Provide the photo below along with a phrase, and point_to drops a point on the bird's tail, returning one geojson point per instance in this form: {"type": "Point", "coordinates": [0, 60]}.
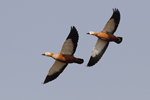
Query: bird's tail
{"type": "Point", "coordinates": [119, 40]}
{"type": "Point", "coordinates": [79, 60]}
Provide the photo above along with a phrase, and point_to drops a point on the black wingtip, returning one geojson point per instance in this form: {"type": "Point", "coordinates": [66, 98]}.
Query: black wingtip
{"type": "Point", "coordinates": [50, 78]}
{"type": "Point", "coordinates": [73, 27]}
{"type": "Point", "coordinates": [115, 9]}
{"type": "Point", "coordinates": [91, 62]}
{"type": "Point", "coordinates": [116, 15]}
{"type": "Point", "coordinates": [89, 65]}
{"type": "Point", "coordinates": [43, 54]}
{"type": "Point", "coordinates": [46, 81]}
{"type": "Point", "coordinates": [43, 83]}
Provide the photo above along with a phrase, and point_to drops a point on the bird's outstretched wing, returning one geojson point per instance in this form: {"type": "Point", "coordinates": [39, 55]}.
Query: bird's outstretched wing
{"type": "Point", "coordinates": [56, 69]}
{"type": "Point", "coordinates": [98, 52]}
{"type": "Point", "coordinates": [69, 46]}
{"type": "Point", "coordinates": [113, 22]}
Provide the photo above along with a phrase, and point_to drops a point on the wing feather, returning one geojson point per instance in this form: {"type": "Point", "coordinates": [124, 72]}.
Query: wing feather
{"type": "Point", "coordinates": [69, 46]}
{"type": "Point", "coordinates": [113, 22]}
{"type": "Point", "coordinates": [98, 51]}
{"type": "Point", "coordinates": [56, 69]}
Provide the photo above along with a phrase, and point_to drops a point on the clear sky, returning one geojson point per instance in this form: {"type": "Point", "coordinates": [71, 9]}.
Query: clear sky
{"type": "Point", "coordinates": [28, 28]}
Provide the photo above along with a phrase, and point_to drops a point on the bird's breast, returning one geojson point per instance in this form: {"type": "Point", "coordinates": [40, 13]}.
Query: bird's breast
{"type": "Point", "coordinates": [106, 36]}
{"type": "Point", "coordinates": [64, 58]}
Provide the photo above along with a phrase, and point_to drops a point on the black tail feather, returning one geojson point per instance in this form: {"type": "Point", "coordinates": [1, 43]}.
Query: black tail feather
{"type": "Point", "coordinates": [119, 40]}
{"type": "Point", "coordinates": [79, 60]}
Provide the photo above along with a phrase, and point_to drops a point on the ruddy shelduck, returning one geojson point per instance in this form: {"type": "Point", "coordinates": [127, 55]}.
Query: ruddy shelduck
{"type": "Point", "coordinates": [104, 37]}
{"type": "Point", "coordinates": [65, 56]}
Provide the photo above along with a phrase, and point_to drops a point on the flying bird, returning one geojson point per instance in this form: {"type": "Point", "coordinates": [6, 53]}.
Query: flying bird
{"type": "Point", "coordinates": [65, 56]}
{"type": "Point", "coordinates": [104, 37]}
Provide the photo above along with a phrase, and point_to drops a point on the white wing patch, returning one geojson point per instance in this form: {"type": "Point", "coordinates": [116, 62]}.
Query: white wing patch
{"type": "Point", "coordinates": [99, 47]}
{"type": "Point", "coordinates": [56, 67]}
{"type": "Point", "coordinates": [109, 27]}
{"type": "Point", "coordinates": [67, 47]}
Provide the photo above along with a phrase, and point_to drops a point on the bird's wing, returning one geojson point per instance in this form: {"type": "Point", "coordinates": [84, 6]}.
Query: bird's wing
{"type": "Point", "coordinates": [69, 46]}
{"type": "Point", "coordinates": [98, 51]}
{"type": "Point", "coordinates": [113, 22]}
{"type": "Point", "coordinates": [55, 70]}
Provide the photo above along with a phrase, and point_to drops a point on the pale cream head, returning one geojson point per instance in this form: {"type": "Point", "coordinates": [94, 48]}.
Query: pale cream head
{"type": "Point", "coordinates": [48, 54]}
{"type": "Point", "coordinates": [92, 33]}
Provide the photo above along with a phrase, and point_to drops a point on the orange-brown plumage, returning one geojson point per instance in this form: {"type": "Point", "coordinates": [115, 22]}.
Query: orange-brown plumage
{"type": "Point", "coordinates": [64, 57]}
{"type": "Point", "coordinates": [104, 37]}
{"type": "Point", "coordinates": [107, 36]}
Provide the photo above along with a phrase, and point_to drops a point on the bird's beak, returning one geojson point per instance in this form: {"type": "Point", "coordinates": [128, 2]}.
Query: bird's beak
{"type": "Point", "coordinates": [43, 54]}
{"type": "Point", "coordinates": [87, 33]}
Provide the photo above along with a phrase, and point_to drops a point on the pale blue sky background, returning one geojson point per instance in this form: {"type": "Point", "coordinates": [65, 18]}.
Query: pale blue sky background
{"type": "Point", "coordinates": [29, 28]}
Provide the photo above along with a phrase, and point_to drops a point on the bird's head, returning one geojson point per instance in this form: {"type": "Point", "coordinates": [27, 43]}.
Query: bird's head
{"type": "Point", "coordinates": [49, 54]}
{"type": "Point", "coordinates": [91, 33]}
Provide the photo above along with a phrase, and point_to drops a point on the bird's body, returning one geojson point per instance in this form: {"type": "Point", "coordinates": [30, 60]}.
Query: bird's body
{"type": "Point", "coordinates": [104, 37]}
{"type": "Point", "coordinates": [64, 57]}
{"type": "Point", "coordinates": [107, 37]}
